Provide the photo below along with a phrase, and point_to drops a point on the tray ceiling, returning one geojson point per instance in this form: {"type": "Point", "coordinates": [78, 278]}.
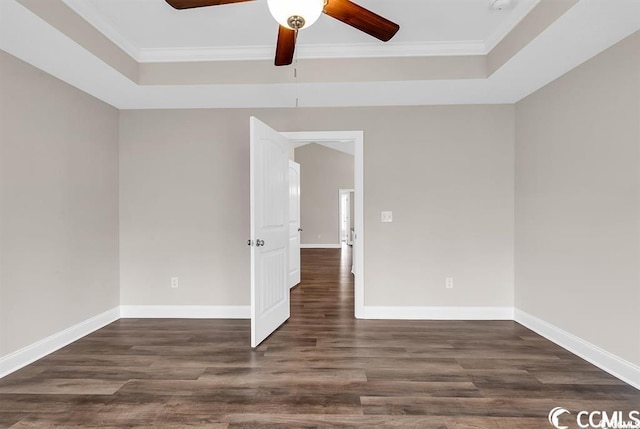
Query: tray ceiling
{"type": "Point", "coordinates": [137, 54]}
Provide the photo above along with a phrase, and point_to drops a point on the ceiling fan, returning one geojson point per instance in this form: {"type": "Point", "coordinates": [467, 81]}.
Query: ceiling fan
{"type": "Point", "coordinates": [294, 15]}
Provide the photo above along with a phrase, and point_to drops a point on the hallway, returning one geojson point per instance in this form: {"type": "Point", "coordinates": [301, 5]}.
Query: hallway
{"type": "Point", "coordinates": [323, 368]}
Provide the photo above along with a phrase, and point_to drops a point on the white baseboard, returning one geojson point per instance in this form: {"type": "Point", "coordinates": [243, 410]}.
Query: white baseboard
{"type": "Point", "coordinates": [40, 349]}
{"type": "Point", "coordinates": [185, 311]}
{"type": "Point", "coordinates": [321, 246]}
{"type": "Point", "coordinates": [614, 365]}
{"type": "Point", "coordinates": [438, 313]}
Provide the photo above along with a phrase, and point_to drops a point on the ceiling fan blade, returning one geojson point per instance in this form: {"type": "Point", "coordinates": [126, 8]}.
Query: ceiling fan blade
{"type": "Point", "coordinates": [362, 19]}
{"type": "Point", "coordinates": [188, 4]}
{"type": "Point", "coordinates": [286, 46]}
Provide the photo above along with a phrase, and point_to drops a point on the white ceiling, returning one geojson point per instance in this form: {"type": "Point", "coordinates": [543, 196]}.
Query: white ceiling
{"type": "Point", "coordinates": [151, 30]}
{"type": "Point", "coordinates": [584, 31]}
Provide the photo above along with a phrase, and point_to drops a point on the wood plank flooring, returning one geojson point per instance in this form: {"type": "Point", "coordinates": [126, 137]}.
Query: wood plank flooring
{"type": "Point", "coordinates": [323, 368]}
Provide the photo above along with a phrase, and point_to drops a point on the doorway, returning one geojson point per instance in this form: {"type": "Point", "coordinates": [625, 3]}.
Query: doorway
{"type": "Point", "coordinates": [357, 139]}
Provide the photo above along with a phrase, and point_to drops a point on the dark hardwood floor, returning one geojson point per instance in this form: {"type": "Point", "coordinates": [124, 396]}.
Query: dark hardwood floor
{"type": "Point", "coordinates": [323, 368]}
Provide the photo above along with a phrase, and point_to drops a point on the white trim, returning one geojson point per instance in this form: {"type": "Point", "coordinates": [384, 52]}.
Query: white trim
{"type": "Point", "coordinates": [358, 240]}
{"type": "Point", "coordinates": [614, 365]}
{"type": "Point", "coordinates": [357, 137]}
{"type": "Point", "coordinates": [354, 50]}
{"type": "Point", "coordinates": [438, 313]}
{"type": "Point", "coordinates": [31, 353]}
{"type": "Point", "coordinates": [320, 246]}
{"type": "Point", "coordinates": [185, 311]}
{"type": "Point", "coordinates": [265, 52]}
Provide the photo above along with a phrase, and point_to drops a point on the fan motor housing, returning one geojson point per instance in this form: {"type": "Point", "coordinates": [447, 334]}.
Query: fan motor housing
{"type": "Point", "coordinates": [296, 22]}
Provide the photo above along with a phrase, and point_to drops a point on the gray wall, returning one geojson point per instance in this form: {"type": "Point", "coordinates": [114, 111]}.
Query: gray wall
{"type": "Point", "coordinates": [58, 205]}
{"type": "Point", "coordinates": [184, 207]}
{"type": "Point", "coordinates": [323, 172]}
{"type": "Point", "coordinates": [446, 172]}
{"type": "Point", "coordinates": [578, 201]}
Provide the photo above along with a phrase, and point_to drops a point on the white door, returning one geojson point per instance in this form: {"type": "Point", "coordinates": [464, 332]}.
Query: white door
{"type": "Point", "coordinates": [294, 223]}
{"type": "Point", "coordinates": [269, 230]}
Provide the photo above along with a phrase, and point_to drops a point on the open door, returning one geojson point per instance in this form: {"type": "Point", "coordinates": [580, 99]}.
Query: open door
{"type": "Point", "coordinates": [269, 241]}
{"type": "Point", "coordinates": [294, 224]}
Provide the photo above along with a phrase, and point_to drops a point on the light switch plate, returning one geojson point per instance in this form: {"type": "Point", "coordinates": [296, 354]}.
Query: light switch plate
{"type": "Point", "coordinates": [386, 217]}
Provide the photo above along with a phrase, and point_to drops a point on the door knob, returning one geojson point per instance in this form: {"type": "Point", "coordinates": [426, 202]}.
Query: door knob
{"type": "Point", "coordinates": [299, 229]}
{"type": "Point", "coordinates": [259, 243]}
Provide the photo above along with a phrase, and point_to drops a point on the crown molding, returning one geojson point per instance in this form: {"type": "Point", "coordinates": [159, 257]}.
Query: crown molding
{"type": "Point", "coordinates": [265, 52]}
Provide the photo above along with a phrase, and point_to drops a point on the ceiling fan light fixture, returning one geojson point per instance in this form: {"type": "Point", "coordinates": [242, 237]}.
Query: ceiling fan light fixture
{"type": "Point", "coordinates": [296, 14]}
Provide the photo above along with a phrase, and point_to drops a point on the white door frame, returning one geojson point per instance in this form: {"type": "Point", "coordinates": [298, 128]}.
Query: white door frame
{"type": "Point", "coordinates": [341, 192]}
{"type": "Point", "coordinates": [357, 137]}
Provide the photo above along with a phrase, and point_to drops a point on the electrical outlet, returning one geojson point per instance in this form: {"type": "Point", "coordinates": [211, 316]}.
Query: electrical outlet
{"type": "Point", "coordinates": [174, 282]}
{"type": "Point", "coordinates": [386, 217]}
{"type": "Point", "coordinates": [449, 283]}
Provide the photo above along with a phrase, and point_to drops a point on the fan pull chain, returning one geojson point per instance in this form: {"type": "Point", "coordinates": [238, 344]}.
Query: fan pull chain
{"type": "Point", "coordinates": [295, 76]}
{"type": "Point", "coordinates": [295, 73]}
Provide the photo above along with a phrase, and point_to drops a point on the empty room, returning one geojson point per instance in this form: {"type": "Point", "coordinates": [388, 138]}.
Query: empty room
{"type": "Point", "coordinates": [320, 213]}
